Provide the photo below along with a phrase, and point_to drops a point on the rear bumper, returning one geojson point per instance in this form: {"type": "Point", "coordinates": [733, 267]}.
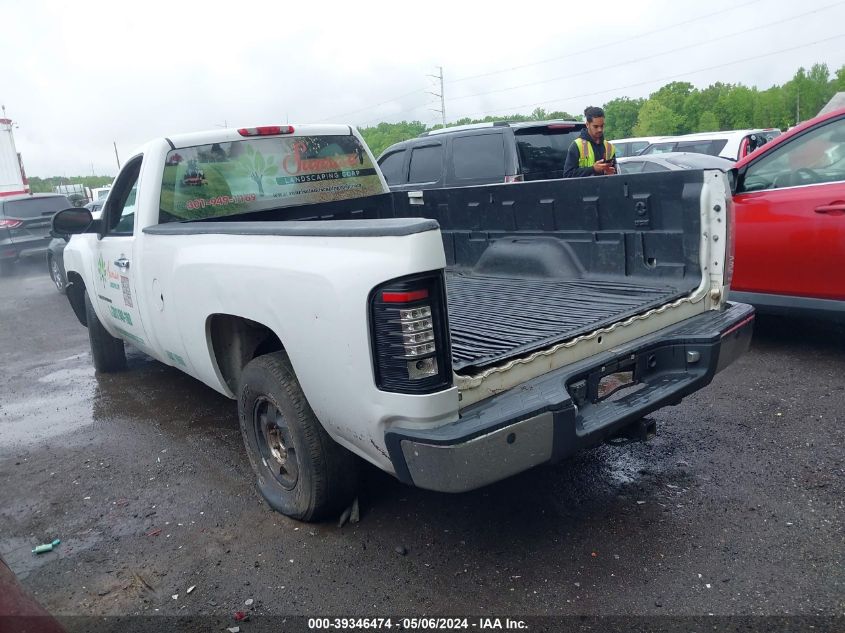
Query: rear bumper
{"type": "Point", "coordinates": [560, 413]}
{"type": "Point", "coordinates": [23, 248]}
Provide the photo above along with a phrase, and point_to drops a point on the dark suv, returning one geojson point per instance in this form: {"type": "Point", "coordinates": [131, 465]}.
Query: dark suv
{"type": "Point", "coordinates": [25, 225]}
{"type": "Point", "coordinates": [480, 154]}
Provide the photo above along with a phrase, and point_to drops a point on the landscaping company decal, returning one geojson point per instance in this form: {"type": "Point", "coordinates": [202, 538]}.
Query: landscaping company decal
{"type": "Point", "coordinates": [131, 337]}
{"type": "Point", "coordinates": [119, 315]}
{"type": "Point", "coordinates": [127, 291]}
{"type": "Point", "coordinates": [255, 174]}
{"type": "Point", "coordinates": [301, 169]}
{"type": "Point", "coordinates": [101, 269]}
{"type": "Point", "coordinates": [176, 358]}
{"type": "Point", "coordinates": [114, 278]}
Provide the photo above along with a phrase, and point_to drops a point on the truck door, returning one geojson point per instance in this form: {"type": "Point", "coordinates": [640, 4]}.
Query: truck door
{"type": "Point", "coordinates": [114, 276]}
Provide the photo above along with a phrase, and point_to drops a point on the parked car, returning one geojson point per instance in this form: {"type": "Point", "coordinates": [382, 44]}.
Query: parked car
{"type": "Point", "coordinates": [480, 154]}
{"type": "Point", "coordinates": [25, 225]}
{"type": "Point", "coordinates": [733, 145]}
{"type": "Point", "coordinates": [56, 248]}
{"type": "Point", "coordinates": [790, 222]}
{"type": "Point", "coordinates": [671, 161]}
{"type": "Point", "coordinates": [633, 146]}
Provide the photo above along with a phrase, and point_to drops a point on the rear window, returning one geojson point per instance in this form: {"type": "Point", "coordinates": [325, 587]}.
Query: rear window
{"type": "Point", "coordinates": [659, 148]}
{"type": "Point", "coordinates": [544, 149]}
{"type": "Point", "coordinates": [480, 156]}
{"type": "Point", "coordinates": [391, 167]}
{"type": "Point", "coordinates": [35, 207]}
{"type": "Point", "coordinates": [703, 147]}
{"type": "Point", "coordinates": [264, 173]}
{"type": "Point", "coordinates": [426, 164]}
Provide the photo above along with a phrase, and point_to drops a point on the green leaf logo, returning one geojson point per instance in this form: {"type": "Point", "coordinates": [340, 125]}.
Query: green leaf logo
{"type": "Point", "coordinates": [101, 269]}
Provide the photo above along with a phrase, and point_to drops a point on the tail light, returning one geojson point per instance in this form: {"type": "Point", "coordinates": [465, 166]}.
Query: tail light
{"type": "Point", "coordinates": [410, 335]}
{"type": "Point", "coordinates": [517, 178]}
{"type": "Point", "coordinates": [266, 130]}
{"type": "Point", "coordinates": [10, 224]}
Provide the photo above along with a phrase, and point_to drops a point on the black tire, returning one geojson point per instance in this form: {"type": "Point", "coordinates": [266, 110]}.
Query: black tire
{"type": "Point", "coordinates": [56, 274]}
{"type": "Point", "coordinates": [6, 267]}
{"type": "Point", "coordinates": [107, 351]}
{"type": "Point", "coordinates": [301, 471]}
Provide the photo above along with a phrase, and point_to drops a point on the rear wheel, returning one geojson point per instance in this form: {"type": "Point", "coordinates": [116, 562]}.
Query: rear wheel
{"type": "Point", "coordinates": [107, 351]}
{"type": "Point", "coordinates": [301, 471]}
{"type": "Point", "coordinates": [6, 267]}
{"type": "Point", "coordinates": [56, 274]}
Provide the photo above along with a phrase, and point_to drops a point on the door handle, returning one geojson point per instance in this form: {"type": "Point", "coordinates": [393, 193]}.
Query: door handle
{"type": "Point", "coordinates": [122, 263]}
{"type": "Point", "coordinates": [834, 208]}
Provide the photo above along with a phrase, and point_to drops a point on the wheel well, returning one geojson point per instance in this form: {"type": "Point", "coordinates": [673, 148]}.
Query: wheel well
{"type": "Point", "coordinates": [235, 341]}
{"type": "Point", "coordinates": [76, 295]}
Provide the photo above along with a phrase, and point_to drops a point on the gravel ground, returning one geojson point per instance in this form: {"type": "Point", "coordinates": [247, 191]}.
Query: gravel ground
{"type": "Point", "coordinates": [735, 508]}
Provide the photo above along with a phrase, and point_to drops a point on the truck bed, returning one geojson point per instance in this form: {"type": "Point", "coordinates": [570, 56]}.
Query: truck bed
{"type": "Point", "coordinates": [492, 318]}
{"type": "Point", "coordinates": [534, 264]}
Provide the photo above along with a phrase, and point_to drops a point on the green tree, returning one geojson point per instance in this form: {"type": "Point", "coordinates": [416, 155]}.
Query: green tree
{"type": "Point", "coordinates": [708, 122]}
{"type": "Point", "coordinates": [656, 119]}
{"type": "Point", "coordinates": [839, 80]}
{"type": "Point", "coordinates": [621, 117]}
{"type": "Point", "coordinates": [673, 96]}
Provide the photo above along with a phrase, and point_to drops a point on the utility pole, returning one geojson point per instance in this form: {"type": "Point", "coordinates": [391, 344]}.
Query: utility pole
{"type": "Point", "coordinates": [117, 158]}
{"type": "Point", "coordinates": [441, 94]}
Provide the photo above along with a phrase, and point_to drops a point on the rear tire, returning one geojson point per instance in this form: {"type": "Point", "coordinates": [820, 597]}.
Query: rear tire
{"type": "Point", "coordinates": [302, 472]}
{"type": "Point", "coordinates": [107, 351]}
{"type": "Point", "coordinates": [6, 267]}
{"type": "Point", "coordinates": [56, 274]}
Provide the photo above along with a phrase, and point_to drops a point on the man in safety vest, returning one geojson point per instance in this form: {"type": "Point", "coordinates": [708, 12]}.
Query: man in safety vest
{"type": "Point", "coordinates": [590, 154]}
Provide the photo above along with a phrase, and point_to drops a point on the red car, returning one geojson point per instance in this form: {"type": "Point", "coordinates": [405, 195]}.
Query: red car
{"type": "Point", "coordinates": [789, 210]}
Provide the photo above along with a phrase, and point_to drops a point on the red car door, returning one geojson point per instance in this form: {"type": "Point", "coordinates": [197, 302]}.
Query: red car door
{"type": "Point", "coordinates": [790, 216]}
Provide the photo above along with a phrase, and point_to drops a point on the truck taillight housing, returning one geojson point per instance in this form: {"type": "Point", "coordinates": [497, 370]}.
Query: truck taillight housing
{"type": "Point", "coordinates": [410, 335]}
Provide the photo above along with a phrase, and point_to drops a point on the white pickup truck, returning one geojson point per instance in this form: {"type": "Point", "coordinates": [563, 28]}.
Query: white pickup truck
{"type": "Point", "coordinates": [451, 337]}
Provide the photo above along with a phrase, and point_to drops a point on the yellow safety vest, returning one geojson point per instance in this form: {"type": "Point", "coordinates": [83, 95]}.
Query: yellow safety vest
{"type": "Point", "coordinates": [586, 156]}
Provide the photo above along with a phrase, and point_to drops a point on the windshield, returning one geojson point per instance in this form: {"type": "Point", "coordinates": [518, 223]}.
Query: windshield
{"type": "Point", "coordinates": [264, 173]}
{"type": "Point", "coordinates": [817, 156]}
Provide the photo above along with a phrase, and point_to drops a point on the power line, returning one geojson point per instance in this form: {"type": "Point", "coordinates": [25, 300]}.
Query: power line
{"type": "Point", "coordinates": [651, 81]}
{"type": "Point", "coordinates": [544, 61]}
{"type": "Point", "coordinates": [391, 100]}
{"type": "Point", "coordinates": [647, 57]}
{"type": "Point", "coordinates": [604, 46]}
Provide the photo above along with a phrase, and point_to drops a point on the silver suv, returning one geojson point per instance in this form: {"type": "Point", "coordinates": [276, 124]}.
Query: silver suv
{"type": "Point", "coordinates": [25, 225]}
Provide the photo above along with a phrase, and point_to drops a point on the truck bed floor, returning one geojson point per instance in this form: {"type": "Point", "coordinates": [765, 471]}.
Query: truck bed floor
{"type": "Point", "coordinates": [493, 318]}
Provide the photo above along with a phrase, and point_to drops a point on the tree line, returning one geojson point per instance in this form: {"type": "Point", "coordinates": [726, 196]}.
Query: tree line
{"type": "Point", "coordinates": [676, 108]}
{"type": "Point", "coordinates": [48, 185]}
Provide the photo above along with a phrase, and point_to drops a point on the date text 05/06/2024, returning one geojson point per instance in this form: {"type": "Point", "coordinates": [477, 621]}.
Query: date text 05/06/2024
{"type": "Point", "coordinates": [416, 624]}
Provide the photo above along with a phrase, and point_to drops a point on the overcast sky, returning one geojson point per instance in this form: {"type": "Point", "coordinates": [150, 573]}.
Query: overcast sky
{"type": "Point", "coordinates": [78, 76]}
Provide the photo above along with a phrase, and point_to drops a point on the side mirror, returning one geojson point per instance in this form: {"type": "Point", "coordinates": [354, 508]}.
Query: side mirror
{"type": "Point", "coordinates": [72, 222]}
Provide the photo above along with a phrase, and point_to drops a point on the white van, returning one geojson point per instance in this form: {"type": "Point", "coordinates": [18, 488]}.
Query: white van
{"type": "Point", "coordinates": [732, 144]}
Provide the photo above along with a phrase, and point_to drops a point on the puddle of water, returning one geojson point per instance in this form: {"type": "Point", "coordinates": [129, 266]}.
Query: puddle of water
{"type": "Point", "coordinates": [57, 403]}
{"type": "Point", "coordinates": [17, 552]}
